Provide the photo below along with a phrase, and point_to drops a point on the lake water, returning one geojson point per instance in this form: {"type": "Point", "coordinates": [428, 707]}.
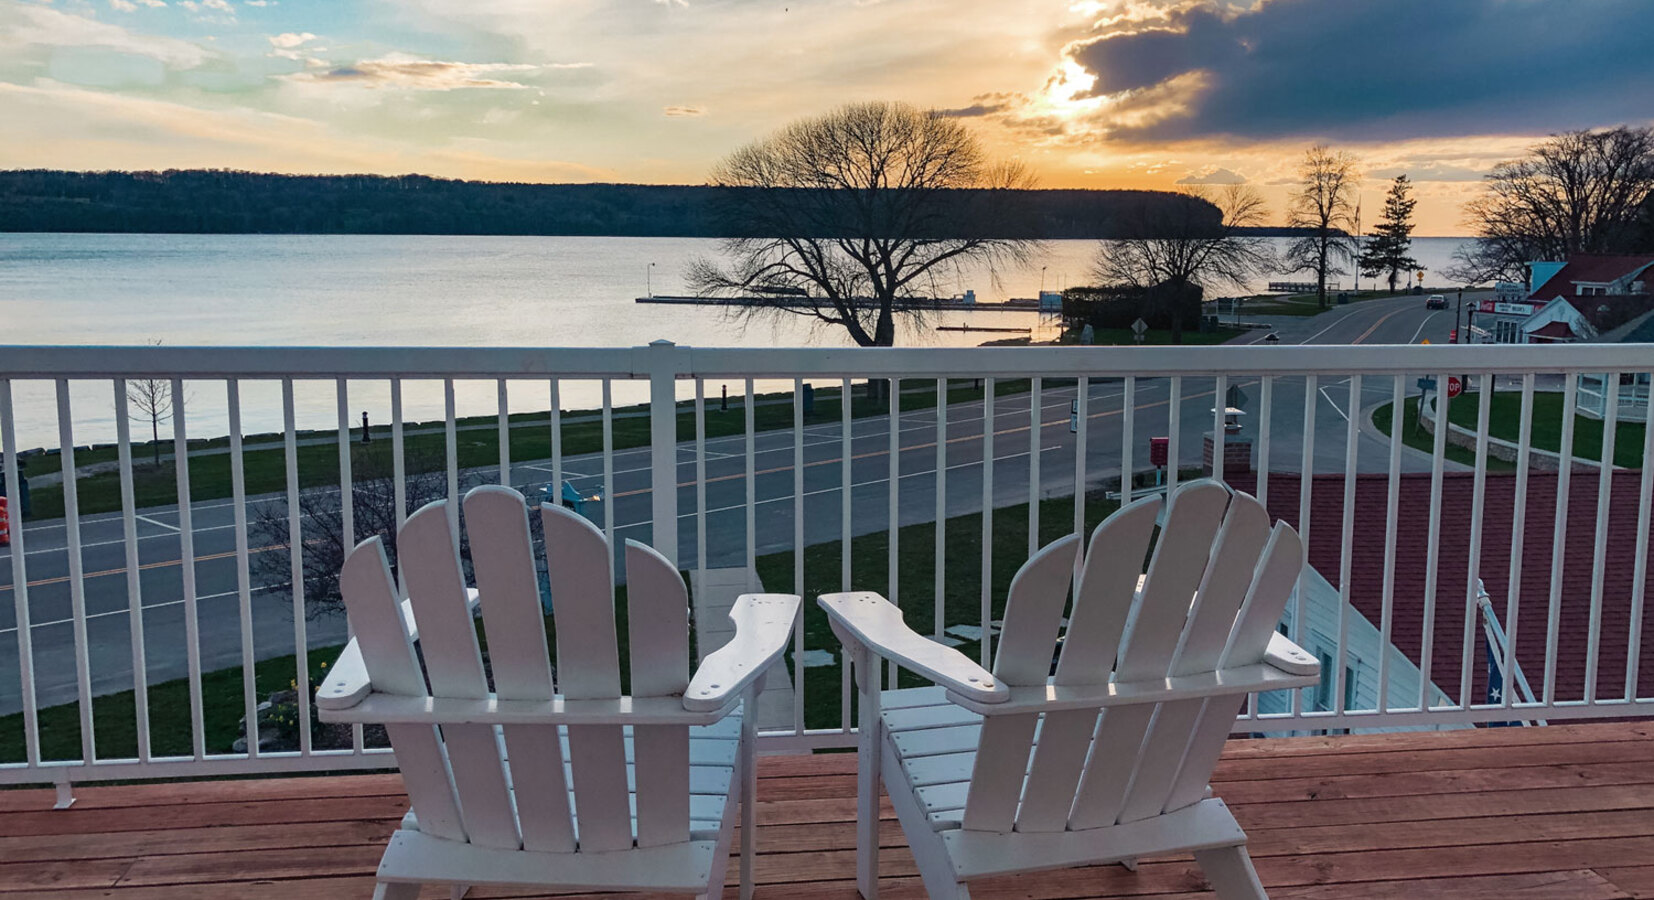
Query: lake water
{"type": "Point", "coordinates": [373, 290]}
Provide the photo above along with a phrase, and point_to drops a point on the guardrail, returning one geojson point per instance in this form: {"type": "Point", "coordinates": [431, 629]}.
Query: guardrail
{"type": "Point", "coordinates": [800, 494]}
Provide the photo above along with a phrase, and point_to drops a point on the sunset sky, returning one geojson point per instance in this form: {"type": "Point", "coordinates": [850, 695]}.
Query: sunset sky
{"type": "Point", "coordinates": [1138, 93]}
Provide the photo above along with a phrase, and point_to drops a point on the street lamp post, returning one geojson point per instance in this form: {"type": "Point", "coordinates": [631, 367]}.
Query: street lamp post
{"type": "Point", "coordinates": [1042, 279]}
{"type": "Point", "coordinates": [1458, 310]}
{"type": "Point", "coordinates": [649, 278]}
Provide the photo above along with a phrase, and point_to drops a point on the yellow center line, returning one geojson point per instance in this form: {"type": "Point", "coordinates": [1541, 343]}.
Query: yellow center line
{"type": "Point", "coordinates": [154, 565]}
{"type": "Point", "coordinates": [1385, 318]}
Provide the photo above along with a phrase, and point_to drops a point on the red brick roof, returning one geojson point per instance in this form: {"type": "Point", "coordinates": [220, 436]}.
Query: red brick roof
{"type": "Point", "coordinates": [1407, 610]}
{"type": "Point", "coordinates": [1587, 267]}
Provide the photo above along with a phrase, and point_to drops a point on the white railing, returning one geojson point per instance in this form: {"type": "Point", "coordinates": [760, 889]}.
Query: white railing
{"type": "Point", "coordinates": [130, 593]}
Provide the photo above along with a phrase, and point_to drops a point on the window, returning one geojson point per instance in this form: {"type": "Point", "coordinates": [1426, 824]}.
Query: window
{"type": "Point", "coordinates": [1324, 690]}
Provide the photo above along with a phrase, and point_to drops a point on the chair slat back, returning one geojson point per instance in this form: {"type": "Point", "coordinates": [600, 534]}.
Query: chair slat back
{"type": "Point", "coordinates": [1217, 583]}
{"type": "Point", "coordinates": [1277, 574]}
{"type": "Point", "coordinates": [510, 786]}
{"type": "Point", "coordinates": [1161, 611]}
{"type": "Point", "coordinates": [1033, 616]}
{"type": "Point", "coordinates": [376, 617]}
{"type": "Point", "coordinates": [1108, 583]}
{"type": "Point", "coordinates": [447, 637]}
{"type": "Point", "coordinates": [502, 558]}
{"type": "Point", "coordinates": [1227, 579]}
{"type": "Point", "coordinates": [657, 624]}
{"type": "Point", "coordinates": [588, 664]}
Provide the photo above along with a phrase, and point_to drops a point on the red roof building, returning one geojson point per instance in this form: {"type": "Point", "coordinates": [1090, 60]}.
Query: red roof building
{"type": "Point", "coordinates": [1455, 595]}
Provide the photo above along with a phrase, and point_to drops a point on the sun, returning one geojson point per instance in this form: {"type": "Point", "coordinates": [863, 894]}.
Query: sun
{"type": "Point", "coordinates": [1068, 91]}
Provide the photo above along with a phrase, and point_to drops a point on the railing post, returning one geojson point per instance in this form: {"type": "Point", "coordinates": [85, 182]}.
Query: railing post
{"type": "Point", "coordinates": [661, 361]}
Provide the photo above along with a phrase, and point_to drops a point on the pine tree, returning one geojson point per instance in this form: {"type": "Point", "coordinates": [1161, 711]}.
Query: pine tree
{"type": "Point", "coordinates": [1385, 251]}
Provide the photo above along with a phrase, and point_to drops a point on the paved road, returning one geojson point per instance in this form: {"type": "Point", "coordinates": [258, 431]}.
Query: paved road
{"type": "Point", "coordinates": [628, 508]}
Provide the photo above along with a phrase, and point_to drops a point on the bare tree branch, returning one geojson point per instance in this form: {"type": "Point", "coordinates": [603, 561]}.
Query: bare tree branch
{"type": "Point", "coordinates": [1324, 204]}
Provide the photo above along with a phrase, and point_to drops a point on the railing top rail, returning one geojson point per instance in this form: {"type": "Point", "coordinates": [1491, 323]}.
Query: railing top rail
{"type": "Point", "coordinates": [27, 362]}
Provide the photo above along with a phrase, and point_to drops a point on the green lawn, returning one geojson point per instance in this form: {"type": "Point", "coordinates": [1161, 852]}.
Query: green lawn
{"type": "Point", "coordinates": [1504, 421]}
{"type": "Point", "coordinates": [265, 461]}
{"type": "Point", "coordinates": [115, 722]}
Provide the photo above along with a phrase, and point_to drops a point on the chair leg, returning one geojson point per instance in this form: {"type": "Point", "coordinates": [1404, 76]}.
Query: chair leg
{"type": "Point", "coordinates": [749, 788]}
{"type": "Point", "coordinates": [869, 755]}
{"type": "Point", "coordinates": [396, 890]}
{"type": "Point", "coordinates": [1230, 871]}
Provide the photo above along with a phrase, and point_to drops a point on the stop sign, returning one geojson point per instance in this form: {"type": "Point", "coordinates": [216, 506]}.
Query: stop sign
{"type": "Point", "coordinates": [1455, 386]}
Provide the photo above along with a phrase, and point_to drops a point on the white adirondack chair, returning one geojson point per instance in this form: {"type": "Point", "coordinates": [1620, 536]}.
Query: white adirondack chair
{"type": "Point", "coordinates": [576, 787]}
{"type": "Point", "coordinates": [1106, 760]}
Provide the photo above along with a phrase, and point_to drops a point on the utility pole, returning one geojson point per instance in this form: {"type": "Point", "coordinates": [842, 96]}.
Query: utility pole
{"type": "Point", "coordinates": [649, 278]}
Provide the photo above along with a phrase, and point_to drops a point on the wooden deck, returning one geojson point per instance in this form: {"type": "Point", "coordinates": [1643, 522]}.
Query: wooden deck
{"type": "Point", "coordinates": [1557, 812]}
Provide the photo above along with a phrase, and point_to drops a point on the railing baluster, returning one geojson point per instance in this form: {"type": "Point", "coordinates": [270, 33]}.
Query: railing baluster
{"type": "Point", "coordinates": [700, 478]}
{"type": "Point", "coordinates": [1034, 436]}
{"type": "Point", "coordinates": [1518, 532]}
{"type": "Point", "coordinates": [1220, 396]}
{"type": "Point", "coordinates": [295, 553]}
{"type": "Point", "coordinates": [939, 573]}
{"type": "Point", "coordinates": [504, 429]}
{"type": "Point", "coordinates": [845, 446]}
{"type": "Point", "coordinates": [798, 551]}
{"type": "Point", "coordinates": [186, 555]}
{"type": "Point", "coordinates": [20, 581]}
{"type": "Point", "coordinates": [77, 569]}
{"type": "Point", "coordinates": [609, 474]}
{"type": "Point", "coordinates": [1306, 477]}
{"type": "Point", "coordinates": [243, 576]}
{"type": "Point", "coordinates": [1352, 436]}
{"type": "Point", "coordinates": [894, 483]}
{"type": "Point", "coordinates": [1559, 536]}
{"type": "Point", "coordinates": [988, 519]}
{"type": "Point", "coordinates": [399, 465]}
{"type": "Point", "coordinates": [1473, 571]}
{"type": "Point", "coordinates": [1266, 400]}
{"type": "Point", "coordinates": [1599, 561]}
{"type": "Point", "coordinates": [556, 426]}
{"type": "Point", "coordinates": [1174, 433]}
{"type": "Point", "coordinates": [347, 499]}
{"type": "Point", "coordinates": [1392, 507]}
{"type": "Point", "coordinates": [134, 586]}
{"type": "Point", "coordinates": [450, 432]}
{"type": "Point", "coordinates": [1639, 577]}
{"type": "Point", "coordinates": [752, 486]}
{"type": "Point", "coordinates": [1438, 458]}
{"type": "Point", "coordinates": [1082, 408]}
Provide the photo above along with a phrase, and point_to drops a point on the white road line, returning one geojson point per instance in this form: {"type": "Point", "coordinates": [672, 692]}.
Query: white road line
{"type": "Point", "coordinates": [1421, 327]}
{"type": "Point", "coordinates": [173, 528]}
{"type": "Point", "coordinates": [147, 606]}
{"type": "Point", "coordinates": [1335, 407]}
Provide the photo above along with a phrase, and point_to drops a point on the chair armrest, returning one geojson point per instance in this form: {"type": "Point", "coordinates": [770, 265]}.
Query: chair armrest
{"type": "Point", "coordinates": [763, 625]}
{"type": "Point", "coordinates": [877, 624]}
{"type": "Point", "coordinates": [347, 683]}
{"type": "Point", "coordinates": [1290, 658]}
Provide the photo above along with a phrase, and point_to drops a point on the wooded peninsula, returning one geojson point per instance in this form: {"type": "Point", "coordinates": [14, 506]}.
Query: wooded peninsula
{"type": "Point", "coordinates": [212, 201]}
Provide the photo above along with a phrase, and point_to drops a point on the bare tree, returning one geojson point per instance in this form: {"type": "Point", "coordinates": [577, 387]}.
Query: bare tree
{"type": "Point", "coordinates": [1176, 245]}
{"type": "Point", "coordinates": [153, 398]}
{"type": "Point", "coordinates": [1323, 204]}
{"type": "Point", "coordinates": [373, 511]}
{"type": "Point", "coordinates": [850, 213]}
{"type": "Point", "coordinates": [1577, 192]}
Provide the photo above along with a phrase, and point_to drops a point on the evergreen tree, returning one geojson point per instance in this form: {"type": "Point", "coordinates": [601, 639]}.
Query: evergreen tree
{"type": "Point", "coordinates": [1386, 250]}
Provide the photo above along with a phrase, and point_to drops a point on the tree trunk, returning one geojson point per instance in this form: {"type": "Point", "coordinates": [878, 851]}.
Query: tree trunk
{"type": "Point", "coordinates": [1321, 277]}
{"type": "Point", "coordinates": [155, 440]}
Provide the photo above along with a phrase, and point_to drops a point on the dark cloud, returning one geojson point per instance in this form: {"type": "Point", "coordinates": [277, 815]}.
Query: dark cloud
{"type": "Point", "coordinates": [1380, 69]}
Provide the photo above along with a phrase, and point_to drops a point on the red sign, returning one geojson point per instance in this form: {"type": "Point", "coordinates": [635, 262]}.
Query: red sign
{"type": "Point", "coordinates": [1159, 449]}
{"type": "Point", "coordinates": [1455, 386]}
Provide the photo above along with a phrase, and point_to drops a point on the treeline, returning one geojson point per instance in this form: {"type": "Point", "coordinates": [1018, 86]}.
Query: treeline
{"type": "Point", "coordinates": [231, 202]}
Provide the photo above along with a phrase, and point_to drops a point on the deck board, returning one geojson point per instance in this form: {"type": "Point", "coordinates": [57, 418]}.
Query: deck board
{"type": "Point", "coordinates": [1559, 812]}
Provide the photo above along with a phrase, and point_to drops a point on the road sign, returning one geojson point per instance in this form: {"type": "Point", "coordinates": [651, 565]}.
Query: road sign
{"type": "Point", "coordinates": [1139, 328]}
{"type": "Point", "coordinates": [1235, 397]}
{"type": "Point", "coordinates": [1427, 384]}
{"type": "Point", "coordinates": [1074, 416]}
{"type": "Point", "coordinates": [1455, 386]}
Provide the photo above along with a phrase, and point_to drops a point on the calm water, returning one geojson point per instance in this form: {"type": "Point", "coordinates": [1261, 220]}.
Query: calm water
{"type": "Point", "coordinates": [370, 290]}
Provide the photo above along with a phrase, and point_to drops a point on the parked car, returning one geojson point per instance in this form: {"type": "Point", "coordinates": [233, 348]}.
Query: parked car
{"type": "Point", "coordinates": [1435, 301]}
